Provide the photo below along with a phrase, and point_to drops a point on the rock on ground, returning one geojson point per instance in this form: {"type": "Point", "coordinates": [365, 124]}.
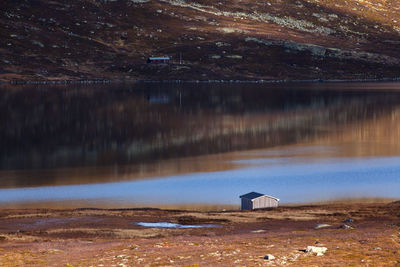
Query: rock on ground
{"type": "Point", "coordinates": [269, 257]}
{"type": "Point", "coordinates": [316, 250]}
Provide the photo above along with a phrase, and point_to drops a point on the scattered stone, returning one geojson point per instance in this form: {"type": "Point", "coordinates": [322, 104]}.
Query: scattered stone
{"type": "Point", "coordinates": [319, 251]}
{"type": "Point", "coordinates": [378, 248]}
{"type": "Point", "coordinates": [54, 250]}
{"type": "Point", "coordinates": [269, 257]}
{"type": "Point", "coordinates": [214, 56]}
{"type": "Point", "coordinates": [253, 39]}
{"type": "Point", "coordinates": [121, 256]}
{"type": "Point", "coordinates": [37, 43]}
{"type": "Point", "coordinates": [349, 220]}
{"type": "Point", "coordinates": [231, 30]}
{"type": "Point", "coordinates": [345, 226]}
{"type": "Point", "coordinates": [258, 231]}
{"type": "Point", "coordinates": [181, 68]}
{"type": "Point", "coordinates": [323, 225]}
{"type": "Point", "coordinates": [234, 56]}
{"type": "Point", "coordinates": [220, 44]}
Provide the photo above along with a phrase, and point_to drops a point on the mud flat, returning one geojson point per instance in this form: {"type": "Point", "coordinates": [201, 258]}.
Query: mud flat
{"type": "Point", "coordinates": [353, 233]}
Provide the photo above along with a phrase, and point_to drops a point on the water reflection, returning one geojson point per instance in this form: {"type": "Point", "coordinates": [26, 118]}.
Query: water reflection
{"type": "Point", "coordinates": [73, 134]}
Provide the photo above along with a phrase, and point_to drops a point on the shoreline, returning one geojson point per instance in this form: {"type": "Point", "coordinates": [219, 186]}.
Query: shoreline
{"type": "Point", "coordinates": [199, 207]}
{"type": "Point", "coordinates": [108, 81]}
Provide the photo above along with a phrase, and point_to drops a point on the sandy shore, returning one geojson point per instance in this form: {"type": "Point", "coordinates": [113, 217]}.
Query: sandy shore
{"type": "Point", "coordinates": [111, 237]}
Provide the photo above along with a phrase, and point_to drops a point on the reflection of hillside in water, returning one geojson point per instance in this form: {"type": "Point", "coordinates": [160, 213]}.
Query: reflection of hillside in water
{"type": "Point", "coordinates": [55, 127]}
{"type": "Point", "coordinates": [377, 136]}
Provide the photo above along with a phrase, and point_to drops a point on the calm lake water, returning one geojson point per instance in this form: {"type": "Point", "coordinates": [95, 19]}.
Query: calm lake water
{"type": "Point", "coordinates": [197, 144]}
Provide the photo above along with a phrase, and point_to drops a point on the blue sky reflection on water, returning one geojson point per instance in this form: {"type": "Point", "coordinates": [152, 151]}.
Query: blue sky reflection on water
{"type": "Point", "coordinates": [291, 181]}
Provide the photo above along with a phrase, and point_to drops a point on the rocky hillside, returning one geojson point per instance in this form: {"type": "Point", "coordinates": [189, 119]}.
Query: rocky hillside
{"type": "Point", "coordinates": [225, 39]}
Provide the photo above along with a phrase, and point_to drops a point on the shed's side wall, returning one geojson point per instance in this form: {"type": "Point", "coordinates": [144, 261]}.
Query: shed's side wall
{"type": "Point", "coordinates": [247, 204]}
{"type": "Point", "coordinates": [265, 202]}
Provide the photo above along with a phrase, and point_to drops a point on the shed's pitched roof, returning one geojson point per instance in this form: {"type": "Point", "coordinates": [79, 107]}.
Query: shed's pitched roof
{"type": "Point", "coordinates": [253, 195]}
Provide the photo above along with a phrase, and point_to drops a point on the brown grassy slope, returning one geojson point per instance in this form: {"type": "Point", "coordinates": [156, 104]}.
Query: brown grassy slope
{"type": "Point", "coordinates": [229, 39]}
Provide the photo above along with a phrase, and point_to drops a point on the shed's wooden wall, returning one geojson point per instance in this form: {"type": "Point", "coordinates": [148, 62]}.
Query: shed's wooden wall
{"type": "Point", "coordinates": [247, 204]}
{"type": "Point", "coordinates": [265, 202]}
{"type": "Point", "coordinates": [259, 203]}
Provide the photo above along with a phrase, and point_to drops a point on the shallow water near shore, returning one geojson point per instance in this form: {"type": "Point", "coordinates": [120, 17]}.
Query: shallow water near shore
{"type": "Point", "coordinates": [174, 225]}
{"type": "Point", "coordinates": [197, 144]}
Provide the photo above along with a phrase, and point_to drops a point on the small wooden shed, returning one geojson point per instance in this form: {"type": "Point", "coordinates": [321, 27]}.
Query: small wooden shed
{"type": "Point", "coordinates": [158, 60]}
{"type": "Point", "coordinates": [254, 200]}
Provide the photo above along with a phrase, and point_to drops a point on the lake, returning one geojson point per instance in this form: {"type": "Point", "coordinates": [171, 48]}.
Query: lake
{"type": "Point", "coordinates": [197, 144]}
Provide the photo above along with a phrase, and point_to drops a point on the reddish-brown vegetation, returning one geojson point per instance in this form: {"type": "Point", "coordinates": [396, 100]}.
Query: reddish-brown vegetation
{"type": "Point", "coordinates": [96, 237]}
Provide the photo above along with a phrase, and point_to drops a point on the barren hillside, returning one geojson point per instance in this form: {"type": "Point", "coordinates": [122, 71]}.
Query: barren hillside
{"type": "Point", "coordinates": [226, 39]}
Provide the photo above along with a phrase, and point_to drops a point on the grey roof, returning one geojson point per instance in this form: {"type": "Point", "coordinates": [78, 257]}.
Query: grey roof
{"type": "Point", "coordinates": [253, 195]}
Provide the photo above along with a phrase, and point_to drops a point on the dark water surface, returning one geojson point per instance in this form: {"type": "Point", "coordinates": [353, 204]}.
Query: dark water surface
{"type": "Point", "coordinates": [198, 143]}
